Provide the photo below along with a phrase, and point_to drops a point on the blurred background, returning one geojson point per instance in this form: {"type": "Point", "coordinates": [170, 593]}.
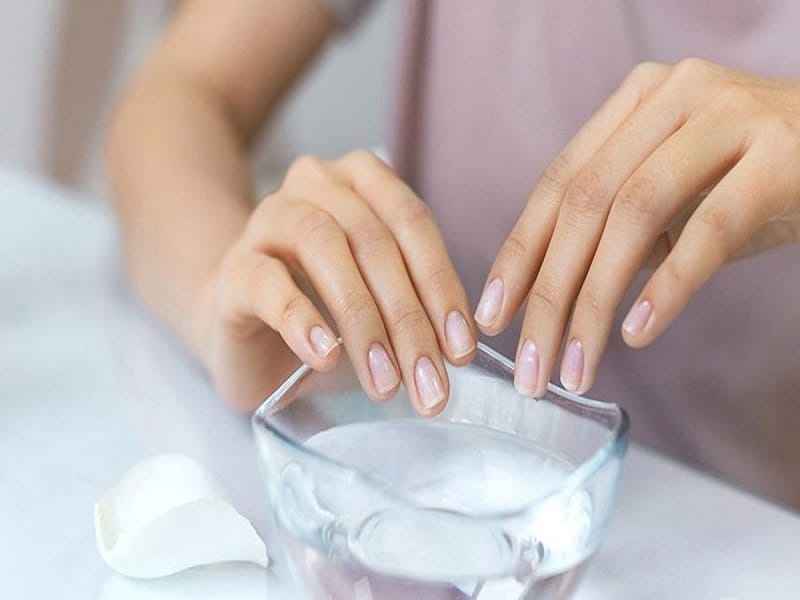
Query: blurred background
{"type": "Point", "coordinates": [65, 62]}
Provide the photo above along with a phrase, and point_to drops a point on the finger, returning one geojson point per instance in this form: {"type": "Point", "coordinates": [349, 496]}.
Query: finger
{"type": "Point", "coordinates": [381, 265]}
{"type": "Point", "coordinates": [521, 255]}
{"type": "Point", "coordinates": [655, 195]}
{"type": "Point", "coordinates": [266, 290]}
{"type": "Point", "coordinates": [300, 232]}
{"type": "Point", "coordinates": [733, 210]}
{"type": "Point", "coordinates": [422, 249]}
{"type": "Point", "coordinates": [580, 224]}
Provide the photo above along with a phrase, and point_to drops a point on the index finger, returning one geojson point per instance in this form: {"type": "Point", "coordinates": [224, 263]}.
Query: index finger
{"type": "Point", "coordinates": [522, 253]}
{"type": "Point", "coordinates": [414, 228]}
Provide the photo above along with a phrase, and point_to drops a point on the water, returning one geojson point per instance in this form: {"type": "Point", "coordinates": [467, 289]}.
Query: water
{"type": "Point", "coordinates": [350, 542]}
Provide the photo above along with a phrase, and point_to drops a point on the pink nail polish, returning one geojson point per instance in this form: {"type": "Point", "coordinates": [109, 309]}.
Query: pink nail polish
{"type": "Point", "coordinates": [490, 304]}
{"type": "Point", "coordinates": [637, 318]}
{"type": "Point", "coordinates": [429, 384]}
{"type": "Point", "coordinates": [322, 342]}
{"type": "Point", "coordinates": [458, 335]}
{"type": "Point", "coordinates": [572, 366]}
{"type": "Point", "coordinates": [384, 375]}
{"type": "Point", "coordinates": [526, 369]}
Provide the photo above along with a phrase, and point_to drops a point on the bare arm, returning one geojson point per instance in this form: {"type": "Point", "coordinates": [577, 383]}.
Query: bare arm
{"type": "Point", "coordinates": [178, 143]}
{"type": "Point", "coordinates": [231, 278]}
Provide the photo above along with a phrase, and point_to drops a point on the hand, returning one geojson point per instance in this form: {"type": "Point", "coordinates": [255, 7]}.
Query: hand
{"type": "Point", "coordinates": [369, 248]}
{"type": "Point", "coordinates": [630, 185]}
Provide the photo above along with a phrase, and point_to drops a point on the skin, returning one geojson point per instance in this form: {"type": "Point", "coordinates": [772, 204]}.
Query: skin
{"type": "Point", "coordinates": [345, 248]}
{"type": "Point", "coordinates": [686, 167]}
{"type": "Point", "coordinates": [342, 246]}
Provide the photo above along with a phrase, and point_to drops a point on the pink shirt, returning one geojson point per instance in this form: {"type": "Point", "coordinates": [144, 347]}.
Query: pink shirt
{"type": "Point", "coordinates": [489, 92]}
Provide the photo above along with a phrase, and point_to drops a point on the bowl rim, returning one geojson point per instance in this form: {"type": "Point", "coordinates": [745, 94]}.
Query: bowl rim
{"type": "Point", "coordinates": [616, 445]}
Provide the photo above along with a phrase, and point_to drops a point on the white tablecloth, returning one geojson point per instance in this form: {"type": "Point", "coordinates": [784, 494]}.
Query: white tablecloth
{"type": "Point", "coordinates": [89, 384]}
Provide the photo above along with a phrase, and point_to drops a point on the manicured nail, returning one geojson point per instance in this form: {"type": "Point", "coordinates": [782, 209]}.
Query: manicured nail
{"type": "Point", "coordinates": [526, 369]}
{"type": "Point", "coordinates": [429, 385]}
{"type": "Point", "coordinates": [384, 375]}
{"type": "Point", "coordinates": [637, 318]}
{"type": "Point", "coordinates": [490, 304]}
{"type": "Point", "coordinates": [459, 337]}
{"type": "Point", "coordinates": [572, 366]}
{"type": "Point", "coordinates": [322, 341]}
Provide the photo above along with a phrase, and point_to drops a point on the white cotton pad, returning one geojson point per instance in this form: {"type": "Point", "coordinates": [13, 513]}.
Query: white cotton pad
{"type": "Point", "coordinates": [167, 514]}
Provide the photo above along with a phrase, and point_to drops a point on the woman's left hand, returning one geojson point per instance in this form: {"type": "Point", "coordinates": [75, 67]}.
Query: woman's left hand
{"type": "Point", "coordinates": [630, 188]}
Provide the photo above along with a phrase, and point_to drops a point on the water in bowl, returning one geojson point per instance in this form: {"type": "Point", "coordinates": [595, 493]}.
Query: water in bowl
{"type": "Point", "coordinates": [351, 543]}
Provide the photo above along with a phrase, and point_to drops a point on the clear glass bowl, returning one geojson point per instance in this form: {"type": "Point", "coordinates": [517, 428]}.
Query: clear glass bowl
{"type": "Point", "coordinates": [500, 496]}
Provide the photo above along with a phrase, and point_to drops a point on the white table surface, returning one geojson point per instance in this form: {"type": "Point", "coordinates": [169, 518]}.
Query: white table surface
{"type": "Point", "coordinates": [89, 385]}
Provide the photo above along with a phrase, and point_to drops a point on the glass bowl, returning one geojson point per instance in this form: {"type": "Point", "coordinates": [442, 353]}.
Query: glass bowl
{"type": "Point", "coordinates": [499, 496]}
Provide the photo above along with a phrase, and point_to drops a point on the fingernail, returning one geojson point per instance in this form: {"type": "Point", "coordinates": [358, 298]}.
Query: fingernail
{"type": "Point", "coordinates": [429, 385]}
{"type": "Point", "coordinates": [384, 375]}
{"type": "Point", "coordinates": [490, 304]}
{"type": "Point", "coordinates": [526, 369]}
{"type": "Point", "coordinates": [322, 341]}
{"type": "Point", "coordinates": [458, 335]}
{"type": "Point", "coordinates": [572, 366]}
{"type": "Point", "coordinates": [637, 318]}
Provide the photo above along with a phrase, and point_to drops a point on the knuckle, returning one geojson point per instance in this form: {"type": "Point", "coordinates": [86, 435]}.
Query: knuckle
{"type": "Point", "coordinates": [441, 279]}
{"type": "Point", "coordinates": [318, 228]}
{"type": "Point", "coordinates": [674, 278]}
{"type": "Point", "coordinates": [407, 319]}
{"type": "Point", "coordinates": [363, 161]}
{"type": "Point", "coordinates": [591, 301]}
{"type": "Point", "coordinates": [555, 176]}
{"type": "Point", "coordinates": [371, 233]}
{"type": "Point", "coordinates": [306, 167]}
{"type": "Point", "coordinates": [356, 306]}
{"type": "Point", "coordinates": [716, 223]}
{"type": "Point", "coordinates": [544, 297]}
{"type": "Point", "coordinates": [586, 196]}
{"type": "Point", "coordinates": [294, 307]}
{"type": "Point", "coordinates": [515, 249]}
{"type": "Point", "coordinates": [637, 199]}
{"type": "Point", "coordinates": [371, 175]}
{"type": "Point", "coordinates": [646, 72]}
{"type": "Point", "coordinates": [415, 213]}
{"type": "Point", "coordinates": [691, 69]}
{"type": "Point", "coordinates": [644, 77]}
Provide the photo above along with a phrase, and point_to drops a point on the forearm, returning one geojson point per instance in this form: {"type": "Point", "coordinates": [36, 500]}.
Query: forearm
{"type": "Point", "coordinates": [182, 191]}
{"type": "Point", "coordinates": [178, 144]}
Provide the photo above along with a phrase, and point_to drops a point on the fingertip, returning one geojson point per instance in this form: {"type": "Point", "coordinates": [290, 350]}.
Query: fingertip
{"type": "Point", "coordinates": [638, 341]}
{"type": "Point", "coordinates": [541, 388]}
{"type": "Point", "coordinates": [385, 396]}
{"type": "Point", "coordinates": [462, 361]}
{"type": "Point", "coordinates": [329, 362]}
{"type": "Point", "coordinates": [638, 327]}
{"type": "Point", "coordinates": [585, 386]}
{"type": "Point", "coordinates": [433, 411]}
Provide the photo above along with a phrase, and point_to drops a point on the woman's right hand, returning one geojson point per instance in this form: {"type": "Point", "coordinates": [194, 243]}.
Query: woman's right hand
{"type": "Point", "coordinates": [370, 249]}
